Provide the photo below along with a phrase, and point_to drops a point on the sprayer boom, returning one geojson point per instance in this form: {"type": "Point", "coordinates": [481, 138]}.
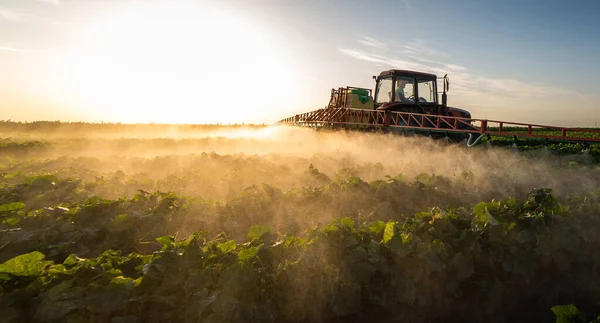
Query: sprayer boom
{"type": "Point", "coordinates": [406, 102]}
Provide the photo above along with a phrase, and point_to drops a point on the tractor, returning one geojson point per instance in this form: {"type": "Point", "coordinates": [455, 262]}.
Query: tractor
{"type": "Point", "coordinates": [407, 102]}
{"type": "Point", "coordinates": [401, 91]}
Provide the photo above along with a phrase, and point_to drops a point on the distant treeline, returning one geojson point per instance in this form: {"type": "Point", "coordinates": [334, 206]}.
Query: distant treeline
{"type": "Point", "coordinates": [18, 126]}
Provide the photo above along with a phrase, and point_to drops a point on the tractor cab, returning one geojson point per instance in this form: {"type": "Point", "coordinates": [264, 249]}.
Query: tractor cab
{"type": "Point", "coordinates": [407, 87]}
{"type": "Point", "coordinates": [402, 90]}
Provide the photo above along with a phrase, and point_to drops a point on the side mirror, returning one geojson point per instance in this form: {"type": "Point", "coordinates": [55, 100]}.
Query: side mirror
{"type": "Point", "coordinates": [374, 77]}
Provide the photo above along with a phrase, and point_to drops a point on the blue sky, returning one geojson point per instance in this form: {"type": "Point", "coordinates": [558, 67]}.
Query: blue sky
{"type": "Point", "coordinates": [191, 61]}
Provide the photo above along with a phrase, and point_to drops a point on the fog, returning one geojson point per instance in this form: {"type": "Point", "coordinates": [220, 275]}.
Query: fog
{"type": "Point", "coordinates": [228, 180]}
{"type": "Point", "coordinates": [219, 163]}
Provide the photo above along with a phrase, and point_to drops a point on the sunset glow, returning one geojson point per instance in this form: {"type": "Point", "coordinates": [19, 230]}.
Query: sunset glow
{"type": "Point", "coordinates": [237, 61]}
{"type": "Point", "coordinates": [177, 64]}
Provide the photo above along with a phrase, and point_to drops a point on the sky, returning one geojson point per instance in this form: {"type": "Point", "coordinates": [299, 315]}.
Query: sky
{"type": "Point", "coordinates": [258, 61]}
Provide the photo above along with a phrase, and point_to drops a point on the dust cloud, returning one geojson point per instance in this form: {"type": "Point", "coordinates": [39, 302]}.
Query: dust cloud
{"type": "Point", "coordinates": [229, 180]}
{"type": "Point", "coordinates": [220, 163]}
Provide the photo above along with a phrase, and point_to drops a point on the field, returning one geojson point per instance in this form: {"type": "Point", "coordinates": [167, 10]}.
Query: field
{"type": "Point", "coordinates": [156, 223]}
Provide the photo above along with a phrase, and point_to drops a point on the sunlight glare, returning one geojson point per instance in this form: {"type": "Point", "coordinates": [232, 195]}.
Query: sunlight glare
{"type": "Point", "coordinates": [177, 63]}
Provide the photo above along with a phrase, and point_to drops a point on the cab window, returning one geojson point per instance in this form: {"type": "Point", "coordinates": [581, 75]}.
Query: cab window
{"type": "Point", "coordinates": [384, 91]}
{"type": "Point", "coordinates": [427, 91]}
{"type": "Point", "coordinates": [404, 90]}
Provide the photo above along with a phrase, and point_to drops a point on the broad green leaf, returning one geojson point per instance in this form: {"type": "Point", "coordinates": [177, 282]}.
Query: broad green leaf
{"type": "Point", "coordinates": [96, 201]}
{"type": "Point", "coordinates": [295, 241]}
{"type": "Point", "coordinates": [247, 254]}
{"type": "Point", "coordinates": [11, 221]}
{"type": "Point", "coordinates": [347, 223]}
{"type": "Point", "coordinates": [166, 241]}
{"type": "Point", "coordinates": [568, 314]}
{"type": "Point", "coordinates": [257, 231]}
{"type": "Point", "coordinates": [377, 227]}
{"type": "Point", "coordinates": [14, 206]}
{"type": "Point", "coordinates": [27, 265]}
{"type": "Point", "coordinates": [57, 269]}
{"type": "Point", "coordinates": [71, 260]}
{"type": "Point", "coordinates": [479, 209]}
{"type": "Point", "coordinates": [511, 202]}
{"type": "Point", "coordinates": [388, 233]}
{"type": "Point", "coordinates": [482, 214]}
{"type": "Point", "coordinates": [330, 228]}
{"type": "Point", "coordinates": [355, 180]}
{"type": "Point", "coordinates": [120, 281]}
{"type": "Point", "coordinates": [41, 180]}
{"type": "Point", "coordinates": [227, 246]}
{"type": "Point", "coordinates": [407, 237]}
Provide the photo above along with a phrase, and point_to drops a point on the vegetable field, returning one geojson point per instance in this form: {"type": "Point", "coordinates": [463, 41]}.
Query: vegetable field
{"type": "Point", "coordinates": [116, 223]}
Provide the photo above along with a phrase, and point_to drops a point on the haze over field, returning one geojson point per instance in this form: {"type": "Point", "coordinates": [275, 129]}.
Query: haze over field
{"type": "Point", "coordinates": [232, 61]}
{"type": "Point", "coordinates": [222, 163]}
{"type": "Point", "coordinates": [278, 224]}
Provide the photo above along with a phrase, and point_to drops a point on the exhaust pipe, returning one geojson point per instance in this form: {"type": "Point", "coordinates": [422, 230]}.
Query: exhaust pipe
{"type": "Point", "coordinates": [446, 88]}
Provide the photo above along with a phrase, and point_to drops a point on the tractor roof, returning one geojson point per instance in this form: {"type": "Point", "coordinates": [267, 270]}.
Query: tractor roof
{"type": "Point", "coordinates": [406, 72]}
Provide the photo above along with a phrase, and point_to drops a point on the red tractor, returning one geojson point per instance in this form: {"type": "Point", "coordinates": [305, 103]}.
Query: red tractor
{"type": "Point", "coordinates": [400, 91]}
{"type": "Point", "coordinates": [413, 92]}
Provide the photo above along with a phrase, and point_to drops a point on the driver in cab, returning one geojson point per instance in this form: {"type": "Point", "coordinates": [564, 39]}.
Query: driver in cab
{"type": "Point", "coordinates": [401, 93]}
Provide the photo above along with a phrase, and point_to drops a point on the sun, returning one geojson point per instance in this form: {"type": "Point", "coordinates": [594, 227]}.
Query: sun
{"type": "Point", "coordinates": [178, 62]}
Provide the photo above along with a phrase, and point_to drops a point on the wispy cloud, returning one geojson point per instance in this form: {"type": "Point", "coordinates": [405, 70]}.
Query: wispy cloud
{"type": "Point", "coordinates": [489, 97]}
{"type": "Point", "coordinates": [420, 47]}
{"type": "Point", "coordinates": [417, 55]}
{"type": "Point", "coordinates": [370, 42]}
{"type": "Point", "coordinates": [454, 67]}
{"type": "Point", "coordinates": [11, 15]}
{"type": "Point", "coordinates": [52, 2]}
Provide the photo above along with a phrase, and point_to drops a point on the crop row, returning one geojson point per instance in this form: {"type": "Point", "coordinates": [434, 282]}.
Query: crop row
{"type": "Point", "coordinates": [270, 255]}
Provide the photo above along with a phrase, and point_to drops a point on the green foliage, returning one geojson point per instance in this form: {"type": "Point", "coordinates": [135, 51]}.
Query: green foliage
{"type": "Point", "coordinates": [247, 254]}
{"type": "Point", "coordinates": [14, 206]}
{"type": "Point", "coordinates": [257, 232]}
{"type": "Point", "coordinates": [83, 241]}
{"type": "Point", "coordinates": [426, 262]}
{"type": "Point", "coordinates": [26, 265]}
{"type": "Point", "coordinates": [568, 314]}
{"type": "Point", "coordinates": [226, 247]}
{"type": "Point", "coordinates": [555, 148]}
